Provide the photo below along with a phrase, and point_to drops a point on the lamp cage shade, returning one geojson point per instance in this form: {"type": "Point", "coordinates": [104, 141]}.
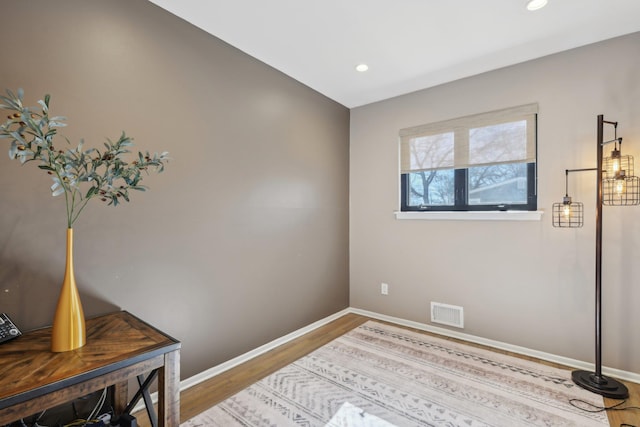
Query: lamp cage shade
{"type": "Point", "coordinates": [617, 166]}
{"type": "Point", "coordinates": [624, 191]}
{"type": "Point", "coordinates": [568, 214]}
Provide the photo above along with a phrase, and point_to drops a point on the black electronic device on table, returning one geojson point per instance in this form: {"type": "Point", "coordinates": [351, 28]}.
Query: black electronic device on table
{"type": "Point", "coordinates": [8, 330]}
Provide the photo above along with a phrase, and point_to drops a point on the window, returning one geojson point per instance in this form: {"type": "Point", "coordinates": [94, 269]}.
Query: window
{"type": "Point", "coordinates": [485, 162]}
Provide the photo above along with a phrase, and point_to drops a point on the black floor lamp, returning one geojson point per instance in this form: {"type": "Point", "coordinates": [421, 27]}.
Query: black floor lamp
{"type": "Point", "coordinates": [616, 186]}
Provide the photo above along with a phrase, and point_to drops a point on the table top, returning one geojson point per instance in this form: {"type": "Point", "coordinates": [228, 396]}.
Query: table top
{"type": "Point", "coordinates": [29, 369]}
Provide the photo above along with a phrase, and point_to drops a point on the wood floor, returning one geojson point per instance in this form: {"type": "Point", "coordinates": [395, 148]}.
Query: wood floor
{"type": "Point", "coordinates": [200, 397]}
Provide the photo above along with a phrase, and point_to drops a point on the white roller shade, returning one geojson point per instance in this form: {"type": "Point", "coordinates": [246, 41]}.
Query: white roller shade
{"type": "Point", "coordinates": [504, 136]}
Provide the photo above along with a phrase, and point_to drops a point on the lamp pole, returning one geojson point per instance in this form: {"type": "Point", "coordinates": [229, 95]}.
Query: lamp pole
{"type": "Point", "coordinates": [600, 136]}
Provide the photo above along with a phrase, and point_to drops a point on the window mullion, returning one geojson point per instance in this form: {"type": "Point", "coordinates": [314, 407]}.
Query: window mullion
{"type": "Point", "coordinates": [460, 179]}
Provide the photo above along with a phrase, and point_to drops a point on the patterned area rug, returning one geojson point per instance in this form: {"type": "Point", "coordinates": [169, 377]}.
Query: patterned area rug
{"type": "Point", "coordinates": [384, 376]}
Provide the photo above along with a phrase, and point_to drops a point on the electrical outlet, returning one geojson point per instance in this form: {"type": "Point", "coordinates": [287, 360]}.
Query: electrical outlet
{"type": "Point", "coordinates": [384, 289]}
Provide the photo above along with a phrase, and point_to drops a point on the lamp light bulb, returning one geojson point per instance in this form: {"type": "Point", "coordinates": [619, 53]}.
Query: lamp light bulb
{"type": "Point", "coordinates": [566, 211]}
{"type": "Point", "coordinates": [620, 187]}
{"type": "Point", "coordinates": [616, 165]}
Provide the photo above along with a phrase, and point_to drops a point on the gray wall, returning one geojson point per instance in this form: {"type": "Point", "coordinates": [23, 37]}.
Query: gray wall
{"type": "Point", "coordinates": [242, 239]}
{"type": "Point", "coordinates": [523, 283]}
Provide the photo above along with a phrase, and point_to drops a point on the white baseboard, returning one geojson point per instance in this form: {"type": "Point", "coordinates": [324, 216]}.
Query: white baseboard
{"type": "Point", "coordinates": [216, 370]}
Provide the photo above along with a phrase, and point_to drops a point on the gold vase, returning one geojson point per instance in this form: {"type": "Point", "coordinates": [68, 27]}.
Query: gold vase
{"type": "Point", "coordinates": [68, 323]}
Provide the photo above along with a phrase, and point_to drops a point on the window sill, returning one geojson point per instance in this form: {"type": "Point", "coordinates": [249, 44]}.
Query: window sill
{"type": "Point", "coordinates": [473, 215]}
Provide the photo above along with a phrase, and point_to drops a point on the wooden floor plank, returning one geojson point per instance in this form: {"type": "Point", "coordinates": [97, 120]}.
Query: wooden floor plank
{"type": "Point", "coordinates": [202, 396]}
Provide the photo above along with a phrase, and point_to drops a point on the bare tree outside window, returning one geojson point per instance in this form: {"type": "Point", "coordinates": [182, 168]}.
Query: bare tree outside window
{"type": "Point", "coordinates": [433, 185]}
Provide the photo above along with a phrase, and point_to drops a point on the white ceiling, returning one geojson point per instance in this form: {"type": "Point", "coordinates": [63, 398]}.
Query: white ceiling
{"type": "Point", "coordinates": [408, 44]}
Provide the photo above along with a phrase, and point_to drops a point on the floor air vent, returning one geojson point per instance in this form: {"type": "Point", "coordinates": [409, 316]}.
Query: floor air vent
{"type": "Point", "coordinates": [446, 314]}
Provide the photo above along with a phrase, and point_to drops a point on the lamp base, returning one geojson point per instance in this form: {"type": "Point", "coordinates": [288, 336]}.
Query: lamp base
{"type": "Point", "coordinates": [607, 387]}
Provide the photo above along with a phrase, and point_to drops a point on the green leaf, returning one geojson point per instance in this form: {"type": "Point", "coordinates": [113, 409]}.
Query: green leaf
{"type": "Point", "coordinates": [17, 137]}
{"type": "Point", "coordinates": [92, 192]}
{"type": "Point", "coordinates": [57, 189]}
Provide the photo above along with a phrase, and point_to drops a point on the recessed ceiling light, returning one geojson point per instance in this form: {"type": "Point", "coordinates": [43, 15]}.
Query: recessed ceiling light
{"type": "Point", "coordinates": [536, 4]}
{"type": "Point", "coordinates": [362, 67]}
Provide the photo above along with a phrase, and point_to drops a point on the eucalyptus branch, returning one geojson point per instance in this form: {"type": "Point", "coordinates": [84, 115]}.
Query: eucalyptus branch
{"type": "Point", "coordinates": [105, 175]}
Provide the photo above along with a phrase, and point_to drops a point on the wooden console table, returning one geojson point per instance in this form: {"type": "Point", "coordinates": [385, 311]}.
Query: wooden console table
{"type": "Point", "coordinates": [119, 347]}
